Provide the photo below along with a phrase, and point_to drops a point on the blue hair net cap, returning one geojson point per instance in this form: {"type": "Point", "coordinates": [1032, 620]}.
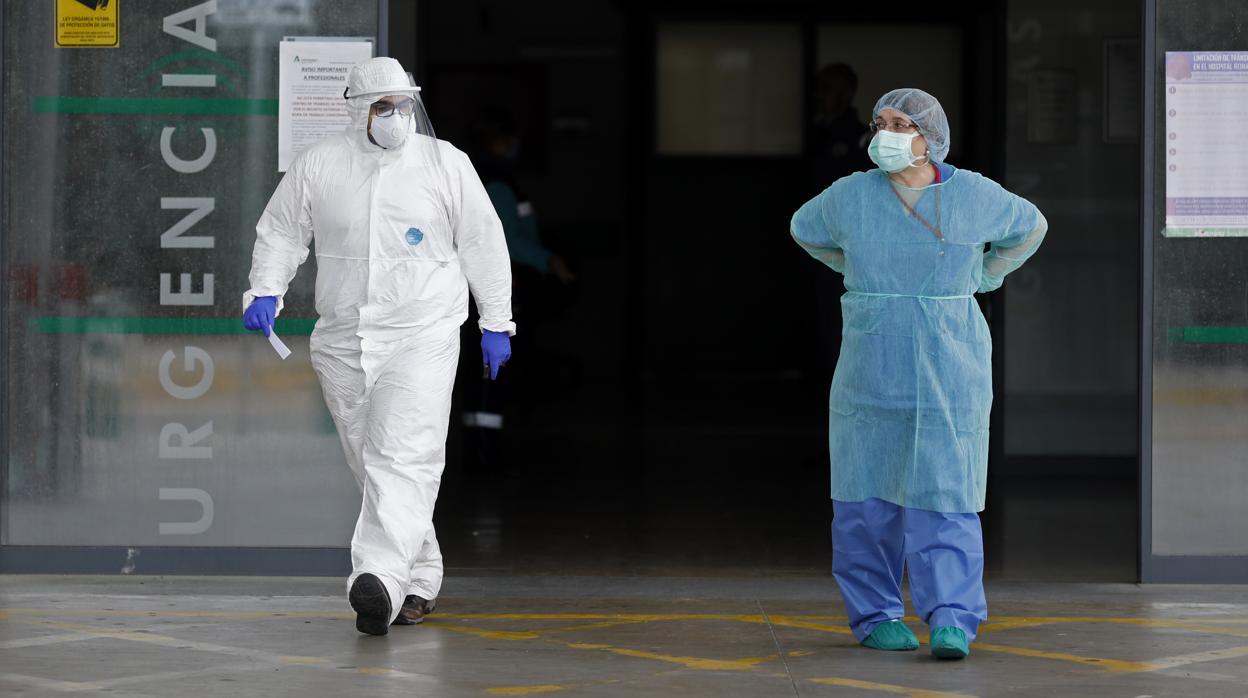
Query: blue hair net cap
{"type": "Point", "coordinates": [926, 113]}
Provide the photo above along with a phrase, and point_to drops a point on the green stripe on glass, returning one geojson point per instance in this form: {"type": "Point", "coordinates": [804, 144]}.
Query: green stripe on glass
{"type": "Point", "coordinates": [1226, 334]}
{"type": "Point", "coordinates": [164, 325]}
{"type": "Point", "coordinates": [142, 106]}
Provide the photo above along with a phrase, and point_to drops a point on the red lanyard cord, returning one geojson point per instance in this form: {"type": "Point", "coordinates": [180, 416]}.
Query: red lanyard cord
{"type": "Point", "coordinates": [934, 229]}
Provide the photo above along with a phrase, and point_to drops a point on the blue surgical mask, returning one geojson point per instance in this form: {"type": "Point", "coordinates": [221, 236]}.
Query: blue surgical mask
{"type": "Point", "coordinates": [892, 151]}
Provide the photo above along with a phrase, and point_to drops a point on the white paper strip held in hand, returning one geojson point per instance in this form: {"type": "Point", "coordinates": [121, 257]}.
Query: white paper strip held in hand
{"type": "Point", "coordinates": [278, 345]}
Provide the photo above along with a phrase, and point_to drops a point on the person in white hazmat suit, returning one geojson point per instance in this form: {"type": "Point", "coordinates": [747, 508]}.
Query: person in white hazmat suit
{"type": "Point", "coordinates": [403, 230]}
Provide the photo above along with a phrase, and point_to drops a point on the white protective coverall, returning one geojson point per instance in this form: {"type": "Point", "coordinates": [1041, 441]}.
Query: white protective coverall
{"type": "Point", "coordinates": [391, 302]}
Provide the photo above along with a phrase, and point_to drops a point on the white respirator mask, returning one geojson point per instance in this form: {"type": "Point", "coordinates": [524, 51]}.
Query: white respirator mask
{"type": "Point", "coordinates": [390, 131]}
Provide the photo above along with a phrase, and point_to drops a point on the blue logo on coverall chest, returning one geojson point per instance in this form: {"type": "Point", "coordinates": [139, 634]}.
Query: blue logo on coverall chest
{"type": "Point", "coordinates": [414, 236]}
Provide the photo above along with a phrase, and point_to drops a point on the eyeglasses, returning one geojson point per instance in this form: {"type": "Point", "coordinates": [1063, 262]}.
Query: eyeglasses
{"type": "Point", "coordinates": [404, 107]}
{"type": "Point", "coordinates": [896, 126]}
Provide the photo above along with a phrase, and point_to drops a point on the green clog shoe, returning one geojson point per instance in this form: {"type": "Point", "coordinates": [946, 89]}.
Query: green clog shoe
{"type": "Point", "coordinates": [949, 642]}
{"type": "Point", "coordinates": [892, 636]}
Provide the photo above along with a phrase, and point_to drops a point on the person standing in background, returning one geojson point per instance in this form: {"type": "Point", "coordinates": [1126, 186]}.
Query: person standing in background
{"type": "Point", "coordinates": [838, 148]}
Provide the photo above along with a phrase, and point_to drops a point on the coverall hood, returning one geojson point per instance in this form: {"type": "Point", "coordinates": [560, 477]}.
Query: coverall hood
{"type": "Point", "coordinates": [373, 79]}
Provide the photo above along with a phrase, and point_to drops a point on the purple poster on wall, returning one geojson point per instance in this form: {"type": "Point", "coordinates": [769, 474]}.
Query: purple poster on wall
{"type": "Point", "coordinates": [1206, 144]}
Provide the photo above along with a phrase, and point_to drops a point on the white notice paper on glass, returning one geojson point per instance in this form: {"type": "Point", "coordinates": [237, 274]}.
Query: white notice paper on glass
{"type": "Point", "coordinates": [1206, 144]}
{"type": "Point", "coordinates": [312, 76]}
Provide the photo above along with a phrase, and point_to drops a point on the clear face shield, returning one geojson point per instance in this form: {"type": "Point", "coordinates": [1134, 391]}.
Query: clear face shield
{"type": "Point", "coordinates": [395, 118]}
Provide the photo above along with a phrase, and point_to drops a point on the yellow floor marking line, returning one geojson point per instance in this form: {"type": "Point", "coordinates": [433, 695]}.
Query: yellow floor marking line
{"type": "Point", "coordinates": [166, 613]}
{"type": "Point", "coordinates": [525, 690]}
{"type": "Point", "coordinates": [613, 620]}
{"type": "Point", "coordinates": [94, 631]}
{"type": "Point", "coordinates": [634, 617]}
{"type": "Point", "coordinates": [1181, 623]}
{"type": "Point", "coordinates": [890, 688]}
{"type": "Point", "coordinates": [1191, 626]}
{"type": "Point", "coordinates": [792, 622]}
{"type": "Point", "coordinates": [539, 633]}
{"type": "Point", "coordinates": [178, 676]}
{"type": "Point", "coordinates": [702, 663]}
{"type": "Point", "coordinates": [534, 689]}
{"type": "Point", "coordinates": [486, 632]}
{"type": "Point", "coordinates": [592, 626]}
{"type": "Point", "coordinates": [1011, 623]}
{"type": "Point", "coordinates": [258, 657]}
{"type": "Point", "coordinates": [44, 640]}
{"type": "Point", "coordinates": [689, 662]}
{"type": "Point", "coordinates": [295, 659]}
{"type": "Point", "coordinates": [51, 684]}
{"type": "Point", "coordinates": [996, 626]}
{"type": "Point", "coordinates": [375, 671]}
{"type": "Point", "coordinates": [302, 615]}
{"type": "Point", "coordinates": [1122, 666]}
{"type": "Point", "coordinates": [167, 641]}
{"type": "Point", "coordinates": [1225, 627]}
{"type": "Point", "coordinates": [1197, 657]}
{"type": "Point", "coordinates": [1198, 626]}
{"type": "Point", "coordinates": [533, 634]}
{"type": "Point", "coordinates": [1110, 664]}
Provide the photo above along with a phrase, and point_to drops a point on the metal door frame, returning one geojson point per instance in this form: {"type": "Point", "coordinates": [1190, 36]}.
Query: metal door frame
{"type": "Point", "coordinates": [1195, 569]}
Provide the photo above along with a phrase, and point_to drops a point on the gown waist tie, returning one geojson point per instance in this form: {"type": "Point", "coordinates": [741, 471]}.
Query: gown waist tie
{"type": "Point", "coordinates": [906, 295]}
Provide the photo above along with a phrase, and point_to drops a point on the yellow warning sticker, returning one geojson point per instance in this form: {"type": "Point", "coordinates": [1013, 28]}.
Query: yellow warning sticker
{"type": "Point", "coordinates": [87, 23]}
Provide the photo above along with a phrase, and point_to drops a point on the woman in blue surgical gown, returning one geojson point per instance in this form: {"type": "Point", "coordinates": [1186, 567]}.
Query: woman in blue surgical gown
{"type": "Point", "coordinates": [910, 400]}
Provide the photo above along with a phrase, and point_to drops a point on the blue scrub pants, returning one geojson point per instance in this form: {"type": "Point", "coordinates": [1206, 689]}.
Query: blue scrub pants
{"type": "Point", "coordinates": [874, 541]}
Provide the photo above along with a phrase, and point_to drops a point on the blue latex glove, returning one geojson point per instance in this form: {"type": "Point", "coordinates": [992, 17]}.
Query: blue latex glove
{"type": "Point", "coordinates": [259, 315]}
{"type": "Point", "coordinates": [495, 351]}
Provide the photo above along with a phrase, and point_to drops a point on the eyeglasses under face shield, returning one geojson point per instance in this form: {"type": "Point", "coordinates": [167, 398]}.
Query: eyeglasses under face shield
{"type": "Point", "coordinates": [386, 104]}
{"type": "Point", "coordinates": [385, 107]}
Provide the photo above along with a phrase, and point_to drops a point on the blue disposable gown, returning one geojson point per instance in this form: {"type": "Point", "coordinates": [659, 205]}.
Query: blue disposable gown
{"type": "Point", "coordinates": [912, 391]}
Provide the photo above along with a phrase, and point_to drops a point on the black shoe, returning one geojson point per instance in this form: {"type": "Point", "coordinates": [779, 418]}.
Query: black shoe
{"type": "Point", "coordinates": [371, 603]}
{"type": "Point", "coordinates": [414, 611]}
